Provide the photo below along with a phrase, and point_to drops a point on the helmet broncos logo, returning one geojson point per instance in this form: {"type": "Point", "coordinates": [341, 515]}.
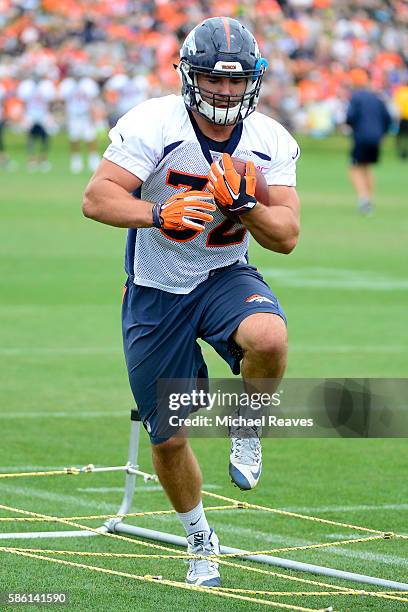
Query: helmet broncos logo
{"type": "Point", "coordinates": [221, 46]}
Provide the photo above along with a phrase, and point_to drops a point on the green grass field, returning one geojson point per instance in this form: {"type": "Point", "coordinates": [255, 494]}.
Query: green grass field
{"type": "Point", "coordinates": [64, 396]}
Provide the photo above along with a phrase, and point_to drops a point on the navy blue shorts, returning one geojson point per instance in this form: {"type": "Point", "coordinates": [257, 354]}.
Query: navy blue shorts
{"type": "Point", "coordinates": [38, 131]}
{"type": "Point", "coordinates": [160, 330]}
{"type": "Point", "coordinates": [365, 153]}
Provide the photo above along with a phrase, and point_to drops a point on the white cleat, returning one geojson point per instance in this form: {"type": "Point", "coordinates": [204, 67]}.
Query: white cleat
{"type": "Point", "coordinates": [202, 572]}
{"type": "Point", "coordinates": [245, 464]}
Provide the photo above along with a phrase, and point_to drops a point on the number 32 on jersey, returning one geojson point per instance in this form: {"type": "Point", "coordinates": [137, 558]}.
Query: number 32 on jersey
{"type": "Point", "coordinates": [223, 234]}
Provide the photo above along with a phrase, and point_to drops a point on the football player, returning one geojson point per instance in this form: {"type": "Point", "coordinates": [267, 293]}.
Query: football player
{"type": "Point", "coordinates": [37, 93]}
{"type": "Point", "coordinates": [79, 93]}
{"type": "Point", "coordinates": [187, 266]}
{"type": "Point", "coordinates": [123, 92]}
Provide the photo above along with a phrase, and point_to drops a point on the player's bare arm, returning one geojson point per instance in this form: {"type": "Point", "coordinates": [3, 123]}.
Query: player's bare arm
{"type": "Point", "coordinates": [276, 227]}
{"type": "Point", "coordinates": [108, 199]}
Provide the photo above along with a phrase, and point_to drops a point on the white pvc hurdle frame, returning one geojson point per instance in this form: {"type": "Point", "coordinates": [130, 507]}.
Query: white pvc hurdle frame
{"type": "Point", "coordinates": [117, 525]}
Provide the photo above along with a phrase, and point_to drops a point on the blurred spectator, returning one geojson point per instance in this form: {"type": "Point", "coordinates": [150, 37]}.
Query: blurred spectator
{"type": "Point", "coordinates": [312, 47]}
{"type": "Point", "coordinates": [123, 92]}
{"type": "Point", "coordinates": [370, 121]}
{"type": "Point", "coordinates": [37, 94]}
{"type": "Point", "coordinates": [401, 104]}
{"type": "Point", "coordinates": [79, 93]}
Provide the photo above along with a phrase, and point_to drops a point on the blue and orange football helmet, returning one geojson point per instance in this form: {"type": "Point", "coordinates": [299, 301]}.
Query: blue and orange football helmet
{"type": "Point", "coordinates": [221, 46]}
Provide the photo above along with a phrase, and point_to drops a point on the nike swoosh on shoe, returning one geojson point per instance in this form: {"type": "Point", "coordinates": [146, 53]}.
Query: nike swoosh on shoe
{"type": "Point", "coordinates": [256, 474]}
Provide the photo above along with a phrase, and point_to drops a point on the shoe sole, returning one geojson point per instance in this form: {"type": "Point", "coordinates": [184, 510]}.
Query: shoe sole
{"type": "Point", "coordinates": [239, 477]}
{"type": "Point", "coordinates": [213, 582]}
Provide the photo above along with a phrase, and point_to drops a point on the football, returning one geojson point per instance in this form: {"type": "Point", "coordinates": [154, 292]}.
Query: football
{"type": "Point", "coordinates": [261, 189]}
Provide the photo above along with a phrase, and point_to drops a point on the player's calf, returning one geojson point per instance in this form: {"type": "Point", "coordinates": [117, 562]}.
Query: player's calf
{"type": "Point", "coordinates": [178, 472]}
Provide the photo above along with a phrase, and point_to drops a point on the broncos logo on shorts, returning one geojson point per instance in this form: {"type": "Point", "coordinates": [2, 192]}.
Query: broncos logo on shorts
{"type": "Point", "coordinates": [258, 298]}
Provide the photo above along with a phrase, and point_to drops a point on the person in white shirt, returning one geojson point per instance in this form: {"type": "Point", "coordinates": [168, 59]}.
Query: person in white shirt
{"type": "Point", "coordinates": [79, 94]}
{"type": "Point", "coordinates": [168, 164]}
{"type": "Point", "coordinates": [126, 91]}
{"type": "Point", "coordinates": [37, 94]}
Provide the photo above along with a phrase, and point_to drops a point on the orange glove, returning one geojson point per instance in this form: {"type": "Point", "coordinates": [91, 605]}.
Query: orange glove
{"type": "Point", "coordinates": [185, 210]}
{"type": "Point", "coordinates": [230, 189]}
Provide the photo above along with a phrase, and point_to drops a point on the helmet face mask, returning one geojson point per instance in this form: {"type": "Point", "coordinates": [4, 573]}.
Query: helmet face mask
{"type": "Point", "coordinates": [221, 47]}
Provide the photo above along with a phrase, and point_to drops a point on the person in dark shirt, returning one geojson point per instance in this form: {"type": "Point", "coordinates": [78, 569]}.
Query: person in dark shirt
{"type": "Point", "coordinates": [369, 120]}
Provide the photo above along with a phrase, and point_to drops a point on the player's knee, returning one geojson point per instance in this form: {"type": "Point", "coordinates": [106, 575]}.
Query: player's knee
{"type": "Point", "coordinates": [270, 348]}
{"type": "Point", "coordinates": [268, 343]}
{"type": "Point", "coordinates": [170, 447]}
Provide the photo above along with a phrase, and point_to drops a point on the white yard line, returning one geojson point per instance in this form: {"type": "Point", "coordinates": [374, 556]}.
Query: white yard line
{"type": "Point", "coordinates": [103, 490]}
{"type": "Point", "coordinates": [86, 414]}
{"type": "Point", "coordinates": [388, 559]}
{"type": "Point", "coordinates": [277, 540]}
{"type": "Point", "coordinates": [55, 351]}
{"type": "Point", "coordinates": [338, 284]}
{"type": "Point", "coordinates": [11, 469]}
{"type": "Point", "coordinates": [300, 348]}
{"type": "Point", "coordinates": [46, 535]}
{"type": "Point", "coordinates": [339, 536]}
{"type": "Point", "coordinates": [59, 500]}
{"type": "Point", "coordinates": [324, 509]}
{"type": "Point", "coordinates": [351, 508]}
{"type": "Point", "coordinates": [347, 348]}
{"type": "Point", "coordinates": [334, 278]}
{"type": "Point", "coordinates": [139, 488]}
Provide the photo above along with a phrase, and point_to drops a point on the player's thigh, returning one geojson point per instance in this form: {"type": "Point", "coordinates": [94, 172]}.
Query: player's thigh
{"type": "Point", "coordinates": [160, 347]}
{"type": "Point", "coordinates": [237, 294]}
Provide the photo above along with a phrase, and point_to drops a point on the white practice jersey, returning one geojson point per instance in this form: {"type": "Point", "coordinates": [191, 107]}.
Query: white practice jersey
{"type": "Point", "coordinates": [78, 96]}
{"type": "Point", "coordinates": [37, 97]}
{"type": "Point", "coordinates": [130, 91]}
{"type": "Point", "coordinates": [157, 142]}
